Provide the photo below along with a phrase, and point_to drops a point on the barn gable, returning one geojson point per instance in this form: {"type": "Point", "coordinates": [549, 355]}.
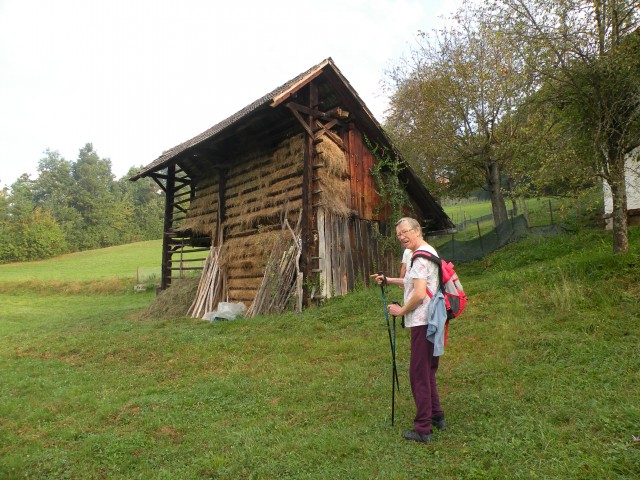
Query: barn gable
{"type": "Point", "coordinates": [280, 198]}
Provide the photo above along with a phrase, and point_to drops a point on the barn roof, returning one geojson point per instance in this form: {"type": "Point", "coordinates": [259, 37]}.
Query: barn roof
{"type": "Point", "coordinates": [357, 108]}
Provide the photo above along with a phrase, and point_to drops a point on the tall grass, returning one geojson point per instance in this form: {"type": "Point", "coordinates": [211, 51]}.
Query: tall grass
{"type": "Point", "coordinates": [540, 380]}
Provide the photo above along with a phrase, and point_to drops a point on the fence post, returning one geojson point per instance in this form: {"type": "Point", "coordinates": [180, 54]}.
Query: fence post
{"type": "Point", "coordinates": [453, 246]}
{"type": "Point", "coordinates": [480, 237]}
{"type": "Point", "coordinates": [550, 212]}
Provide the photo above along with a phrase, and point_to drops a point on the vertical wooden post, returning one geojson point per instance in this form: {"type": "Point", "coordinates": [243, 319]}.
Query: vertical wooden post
{"type": "Point", "coordinates": [222, 194]}
{"type": "Point", "coordinates": [308, 228]}
{"type": "Point", "coordinates": [168, 223]}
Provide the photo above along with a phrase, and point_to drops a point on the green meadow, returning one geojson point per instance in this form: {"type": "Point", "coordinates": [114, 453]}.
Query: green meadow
{"type": "Point", "coordinates": [539, 380]}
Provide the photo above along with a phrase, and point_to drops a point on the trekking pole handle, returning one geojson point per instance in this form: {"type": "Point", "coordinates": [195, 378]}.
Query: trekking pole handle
{"type": "Point", "coordinates": [396, 303]}
{"type": "Point", "coordinates": [384, 279]}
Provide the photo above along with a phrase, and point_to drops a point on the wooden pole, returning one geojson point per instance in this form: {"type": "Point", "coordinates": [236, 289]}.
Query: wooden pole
{"type": "Point", "coordinates": [165, 269]}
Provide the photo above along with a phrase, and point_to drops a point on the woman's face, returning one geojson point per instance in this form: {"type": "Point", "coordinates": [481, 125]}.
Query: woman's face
{"type": "Point", "coordinates": [407, 236]}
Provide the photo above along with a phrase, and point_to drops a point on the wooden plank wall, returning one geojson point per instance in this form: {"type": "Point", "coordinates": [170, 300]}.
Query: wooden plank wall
{"type": "Point", "coordinates": [349, 252]}
{"type": "Point", "coordinates": [364, 198]}
{"type": "Point", "coordinates": [348, 245]}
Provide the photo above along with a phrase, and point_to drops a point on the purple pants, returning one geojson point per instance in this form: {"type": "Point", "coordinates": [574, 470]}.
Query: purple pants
{"type": "Point", "coordinates": [422, 374]}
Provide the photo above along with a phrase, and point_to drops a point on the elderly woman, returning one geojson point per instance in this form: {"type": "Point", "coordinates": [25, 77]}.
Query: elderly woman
{"type": "Point", "coordinates": [423, 365]}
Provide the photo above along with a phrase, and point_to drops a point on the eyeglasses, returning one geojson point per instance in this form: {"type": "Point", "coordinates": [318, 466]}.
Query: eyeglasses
{"type": "Point", "coordinates": [404, 232]}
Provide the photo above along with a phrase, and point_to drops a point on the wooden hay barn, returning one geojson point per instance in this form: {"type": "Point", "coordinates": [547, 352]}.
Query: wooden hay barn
{"type": "Point", "coordinates": [280, 200]}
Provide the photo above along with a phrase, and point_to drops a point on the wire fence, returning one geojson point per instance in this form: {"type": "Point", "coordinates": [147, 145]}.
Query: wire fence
{"type": "Point", "coordinates": [457, 251]}
{"type": "Point", "coordinates": [477, 237]}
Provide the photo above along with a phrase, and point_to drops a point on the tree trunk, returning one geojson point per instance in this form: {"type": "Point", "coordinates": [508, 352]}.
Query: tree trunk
{"type": "Point", "coordinates": [514, 200]}
{"type": "Point", "coordinates": [498, 207]}
{"type": "Point", "coordinates": [619, 215]}
{"type": "Point", "coordinates": [525, 211]}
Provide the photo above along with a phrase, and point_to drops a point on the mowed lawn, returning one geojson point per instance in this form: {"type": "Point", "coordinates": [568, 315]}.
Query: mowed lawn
{"type": "Point", "coordinates": [540, 378]}
{"type": "Point", "coordinates": [121, 261]}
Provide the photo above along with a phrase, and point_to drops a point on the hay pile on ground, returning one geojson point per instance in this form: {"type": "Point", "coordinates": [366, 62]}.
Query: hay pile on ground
{"type": "Point", "coordinates": [174, 301]}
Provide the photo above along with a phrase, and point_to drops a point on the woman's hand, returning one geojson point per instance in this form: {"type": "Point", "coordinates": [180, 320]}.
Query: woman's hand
{"type": "Point", "coordinates": [379, 278]}
{"type": "Point", "coordinates": [395, 310]}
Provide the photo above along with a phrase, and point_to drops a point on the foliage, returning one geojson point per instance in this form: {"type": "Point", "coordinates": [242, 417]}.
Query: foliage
{"type": "Point", "coordinates": [547, 159]}
{"type": "Point", "coordinates": [81, 203]}
{"type": "Point", "coordinates": [586, 59]}
{"type": "Point", "coordinates": [33, 236]}
{"type": "Point", "coordinates": [535, 381]}
{"type": "Point", "coordinates": [452, 107]}
{"type": "Point", "coordinates": [385, 173]}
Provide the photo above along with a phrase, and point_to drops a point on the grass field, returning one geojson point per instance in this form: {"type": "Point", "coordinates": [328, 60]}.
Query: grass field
{"type": "Point", "coordinates": [540, 379]}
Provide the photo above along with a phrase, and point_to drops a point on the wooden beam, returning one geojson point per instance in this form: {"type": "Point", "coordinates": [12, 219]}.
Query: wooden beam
{"type": "Point", "coordinates": [159, 183]}
{"type": "Point", "coordinates": [324, 129]}
{"type": "Point", "coordinates": [301, 120]}
{"type": "Point", "coordinates": [165, 281]}
{"type": "Point", "coordinates": [309, 111]}
{"type": "Point", "coordinates": [277, 100]}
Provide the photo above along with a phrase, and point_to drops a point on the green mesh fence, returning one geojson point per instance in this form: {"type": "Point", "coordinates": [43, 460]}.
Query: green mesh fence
{"type": "Point", "coordinates": [458, 251]}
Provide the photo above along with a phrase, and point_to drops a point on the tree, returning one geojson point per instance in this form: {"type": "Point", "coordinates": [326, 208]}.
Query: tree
{"type": "Point", "coordinates": [587, 59]}
{"type": "Point", "coordinates": [31, 237]}
{"type": "Point", "coordinates": [21, 203]}
{"type": "Point", "coordinates": [546, 160]}
{"type": "Point", "coordinates": [54, 190]}
{"type": "Point", "coordinates": [147, 203]}
{"type": "Point", "coordinates": [452, 104]}
{"type": "Point", "coordinates": [94, 198]}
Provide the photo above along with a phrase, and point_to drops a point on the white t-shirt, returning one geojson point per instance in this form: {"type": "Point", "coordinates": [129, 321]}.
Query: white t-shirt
{"type": "Point", "coordinates": [406, 256]}
{"type": "Point", "coordinates": [426, 270]}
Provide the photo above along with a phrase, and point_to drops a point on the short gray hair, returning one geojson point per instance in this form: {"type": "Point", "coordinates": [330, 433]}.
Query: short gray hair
{"type": "Point", "coordinates": [413, 223]}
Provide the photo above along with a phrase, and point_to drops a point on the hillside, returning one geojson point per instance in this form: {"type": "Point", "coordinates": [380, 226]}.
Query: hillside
{"type": "Point", "coordinates": [540, 380]}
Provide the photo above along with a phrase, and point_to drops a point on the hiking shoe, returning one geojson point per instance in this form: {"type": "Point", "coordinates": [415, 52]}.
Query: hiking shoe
{"type": "Point", "coordinates": [439, 423]}
{"type": "Point", "coordinates": [417, 437]}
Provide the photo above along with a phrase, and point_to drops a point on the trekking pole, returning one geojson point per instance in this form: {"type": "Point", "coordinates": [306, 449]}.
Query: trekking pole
{"type": "Point", "coordinates": [392, 342]}
{"type": "Point", "coordinates": [395, 371]}
{"type": "Point", "coordinates": [394, 374]}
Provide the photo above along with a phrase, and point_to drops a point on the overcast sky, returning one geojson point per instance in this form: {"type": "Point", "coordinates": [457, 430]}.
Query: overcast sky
{"type": "Point", "coordinates": [137, 77]}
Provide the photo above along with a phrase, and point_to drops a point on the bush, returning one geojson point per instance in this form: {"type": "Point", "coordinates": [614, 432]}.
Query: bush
{"type": "Point", "coordinates": [36, 237]}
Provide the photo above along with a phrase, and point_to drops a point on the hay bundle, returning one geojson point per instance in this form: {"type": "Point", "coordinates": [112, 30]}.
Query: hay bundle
{"type": "Point", "coordinates": [334, 178]}
{"type": "Point", "coordinates": [203, 209]}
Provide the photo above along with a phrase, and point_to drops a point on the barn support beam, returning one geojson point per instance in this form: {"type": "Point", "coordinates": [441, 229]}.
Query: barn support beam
{"type": "Point", "coordinates": [170, 184]}
{"type": "Point", "coordinates": [308, 227]}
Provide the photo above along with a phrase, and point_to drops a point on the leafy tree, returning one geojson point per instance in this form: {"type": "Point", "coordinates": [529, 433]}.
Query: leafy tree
{"type": "Point", "coordinates": [55, 190]}
{"type": "Point", "coordinates": [587, 58]}
{"type": "Point", "coordinates": [21, 203]}
{"type": "Point", "coordinates": [451, 111]}
{"type": "Point", "coordinates": [4, 203]}
{"type": "Point", "coordinates": [147, 203]}
{"type": "Point", "coordinates": [31, 237]}
{"type": "Point", "coordinates": [94, 199]}
{"type": "Point", "coordinates": [547, 161]}
{"type": "Point", "coordinates": [76, 206]}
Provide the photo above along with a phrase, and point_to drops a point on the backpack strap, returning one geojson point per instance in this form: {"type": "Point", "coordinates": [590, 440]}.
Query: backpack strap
{"type": "Point", "coordinates": [435, 259]}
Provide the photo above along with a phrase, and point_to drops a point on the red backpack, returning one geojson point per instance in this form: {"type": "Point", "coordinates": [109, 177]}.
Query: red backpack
{"type": "Point", "coordinates": [454, 296]}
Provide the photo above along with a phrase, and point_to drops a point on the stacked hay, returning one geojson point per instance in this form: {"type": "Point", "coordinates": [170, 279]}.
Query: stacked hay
{"type": "Point", "coordinates": [203, 209]}
{"type": "Point", "coordinates": [259, 190]}
{"type": "Point", "coordinates": [333, 178]}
